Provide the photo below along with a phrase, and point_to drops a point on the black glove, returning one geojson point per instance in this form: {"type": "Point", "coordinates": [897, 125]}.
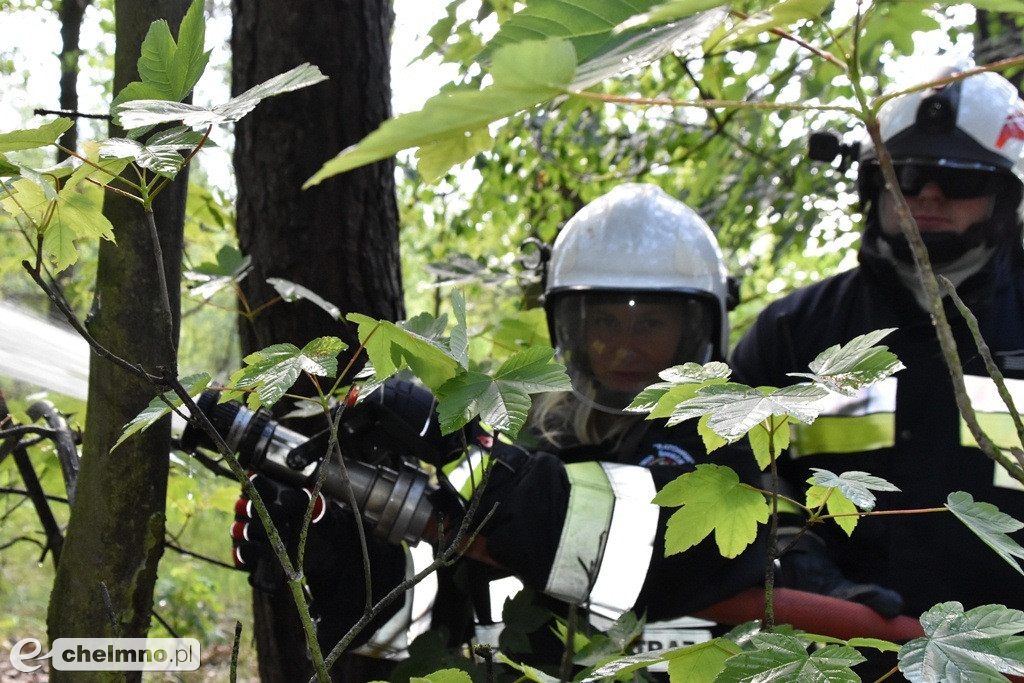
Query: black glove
{"type": "Point", "coordinates": [333, 564]}
{"type": "Point", "coordinates": [399, 419]}
{"type": "Point", "coordinates": [252, 551]}
{"type": "Point", "coordinates": [806, 566]}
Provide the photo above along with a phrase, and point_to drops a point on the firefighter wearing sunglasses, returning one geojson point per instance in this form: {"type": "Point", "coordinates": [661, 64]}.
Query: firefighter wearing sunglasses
{"type": "Point", "coordinates": [957, 154]}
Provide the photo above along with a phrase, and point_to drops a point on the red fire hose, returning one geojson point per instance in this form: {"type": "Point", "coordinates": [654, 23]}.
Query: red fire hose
{"type": "Point", "coordinates": [814, 613]}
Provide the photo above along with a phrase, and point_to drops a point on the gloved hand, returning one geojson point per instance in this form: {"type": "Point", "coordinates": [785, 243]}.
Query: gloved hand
{"type": "Point", "coordinates": [252, 550]}
{"type": "Point", "coordinates": [333, 565]}
{"type": "Point", "coordinates": [399, 419]}
{"type": "Point", "coordinates": [806, 566]}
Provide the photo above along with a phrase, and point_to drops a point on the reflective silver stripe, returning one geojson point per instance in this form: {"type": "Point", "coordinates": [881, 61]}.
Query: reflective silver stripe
{"type": "Point", "coordinates": [609, 529]}
{"type": "Point", "coordinates": [994, 419]}
{"type": "Point", "coordinates": [392, 639]}
{"type": "Point", "coordinates": [985, 396]}
{"type": "Point", "coordinates": [466, 473]}
{"type": "Point", "coordinates": [850, 424]}
{"type": "Point", "coordinates": [877, 398]}
{"type": "Point", "coordinates": [992, 413]}
{"type": "Point", "coordinates": [587, 519]}
{"type": "Point", "coordinates": [627, 553]}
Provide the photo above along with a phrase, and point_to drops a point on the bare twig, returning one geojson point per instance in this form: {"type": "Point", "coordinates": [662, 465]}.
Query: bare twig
{"type": "Point", "coordinates": [235, 643]}
{"type": "Point", "coordinates": [70, 114]}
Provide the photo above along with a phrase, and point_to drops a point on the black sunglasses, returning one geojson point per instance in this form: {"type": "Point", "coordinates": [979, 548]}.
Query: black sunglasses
{"type": "Point", "coordinates": [954, 183]}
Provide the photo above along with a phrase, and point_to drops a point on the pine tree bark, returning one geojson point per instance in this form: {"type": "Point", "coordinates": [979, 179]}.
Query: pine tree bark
{"type": "Point", "coordinates": [338, 239]}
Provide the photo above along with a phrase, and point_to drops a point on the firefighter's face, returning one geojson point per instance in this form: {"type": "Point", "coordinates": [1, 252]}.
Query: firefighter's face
{"type": "Point", "coordinates": [629, 343]}
{"type": "Point", "coordinates": [934, 212]}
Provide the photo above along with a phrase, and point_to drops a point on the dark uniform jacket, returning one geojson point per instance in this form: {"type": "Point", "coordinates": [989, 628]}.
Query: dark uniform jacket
{"type": "Point", "coordinates": [907, 430]}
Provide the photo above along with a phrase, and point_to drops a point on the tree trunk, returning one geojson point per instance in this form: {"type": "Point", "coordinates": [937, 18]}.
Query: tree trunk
{"type": "Point", "coordinates": [104, 584]}
{"type": "Point", "coordinates": [338, 239]}
{"type": "Point", "coordinates": [71, 14]}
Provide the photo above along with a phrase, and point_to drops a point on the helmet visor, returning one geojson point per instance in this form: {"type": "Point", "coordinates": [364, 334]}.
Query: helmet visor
{"type": "Point", "coordinates": [953, 182]}
{"type": "Point", "coordinates": [614, 344]}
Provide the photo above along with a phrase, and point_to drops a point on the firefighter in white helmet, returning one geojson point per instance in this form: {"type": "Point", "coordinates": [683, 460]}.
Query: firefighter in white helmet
{"type": "Point", "coordinates": [636, 286]}
{"type": "Point", "coordinates": [956, 149]}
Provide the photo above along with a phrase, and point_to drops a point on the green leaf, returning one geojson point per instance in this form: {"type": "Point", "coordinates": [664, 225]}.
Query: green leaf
{"type": "Point", "coordinates": [170, 70]}
{"type": "Point", "coordinates": [523, 76]}
{"type": "Point", "coordinates": [161, 154]}
{"type": "Point", "coordinates": [843, 494]}
{"type": "Point", "coordinates": [444, 676]}
{"type": "Point", "coordinates": [712, 441]}
{"type": "Point", "coordinates": [158, 407]}
{"type": "Point", "coordinates": [778, 15]}
{"type": "Point", "coordinates": [976, 646]}
{"type": "Point", "coordinates": [712, 499]}
{"type": "Point", "coordinates": [988, 524]}
{"type": "Point", "coordinates": [72, 215]}
{"type": "Point", "coordinates": [700, 662]}
{"type": "Point", "coordinates": [896, 23]}
{"type": "Point", "coordinates": [608, 38]}
{"type": "Point", "coordinates": [458, 340]}
{"type": "Point", "coordinates": [681, 383]}
{"type": "Point", "coordinates": [390, 348]}
{"type": "Point", "coordinates": [8, 169]}
{"type": "Point", "coordinates": [273, 370]}
{"type": "Point", "coordinates": [876, 643]}
{"type": "Point", "coordinates": [846, 368]}
{"type": "Point", "coordinates": [763, 447]}
{"type": "Point", "coordinates": [779, 657]}
{"type": "Point", "coordinates": [529, 673]}
{"type": "Point", "coordinates": [150, 112]}
{"type": "Point", "coordinates": [100, 171]}
{"type": "Point", "coordinates": [503, 400]}
{"type": "Point", "coordinates": [31, 138]}
{"type": "Point", "coordinates": [857, 486]}
{"type": "Point", "coordinates": [836, 504]}
{"type": "Point", "coordinates": [668, 11]}
{"type": "Point", "coordinates": [292, 292]}
{"type": "Point", "coordinates": [735, 409]}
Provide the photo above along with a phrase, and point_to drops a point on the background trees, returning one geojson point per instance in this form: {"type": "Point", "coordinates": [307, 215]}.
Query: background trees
{"type": "Point", "coordinates": [782, 220]}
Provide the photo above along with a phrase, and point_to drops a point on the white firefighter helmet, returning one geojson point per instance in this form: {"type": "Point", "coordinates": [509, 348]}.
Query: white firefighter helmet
{"type": "Point", "coordinates": [967, 137]}
{"type": "Point", "coordinates": [976, 123]}
{"type": "Point", "coordinates": [638, 249]}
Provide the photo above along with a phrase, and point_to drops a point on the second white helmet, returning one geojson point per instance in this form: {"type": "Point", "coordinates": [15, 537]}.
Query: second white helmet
{"type": "Point", "coordinates": [635, 247]}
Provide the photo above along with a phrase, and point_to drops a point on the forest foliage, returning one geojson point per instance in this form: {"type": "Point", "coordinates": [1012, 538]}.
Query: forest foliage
{"type": "Point", "coordinates": [551, 111]}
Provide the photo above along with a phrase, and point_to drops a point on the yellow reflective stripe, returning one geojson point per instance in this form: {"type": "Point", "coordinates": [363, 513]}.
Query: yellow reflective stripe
{"type": "Point", "coordinates": [998, 427]}
{"type": "Point", "coordinates": [850, 424]}
{"type": "Point", "coordinates": [992, 413]}
{"type": "Point", "coordinates": [587, 518]}
{"type": "Point", "coordinates": [392, 639]}
{"type": "Point", "coordinates": [829, 434]}
{"type": "Point", "coordinates": [630, 544]}
{"type": "Point", "coordinates": [466, 473]}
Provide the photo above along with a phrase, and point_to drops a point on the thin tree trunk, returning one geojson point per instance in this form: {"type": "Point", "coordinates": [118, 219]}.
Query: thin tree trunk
{"type": "Point", "coordinates": [71, 14]}
{"type": "Point", "coordinates": [104, 583]}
